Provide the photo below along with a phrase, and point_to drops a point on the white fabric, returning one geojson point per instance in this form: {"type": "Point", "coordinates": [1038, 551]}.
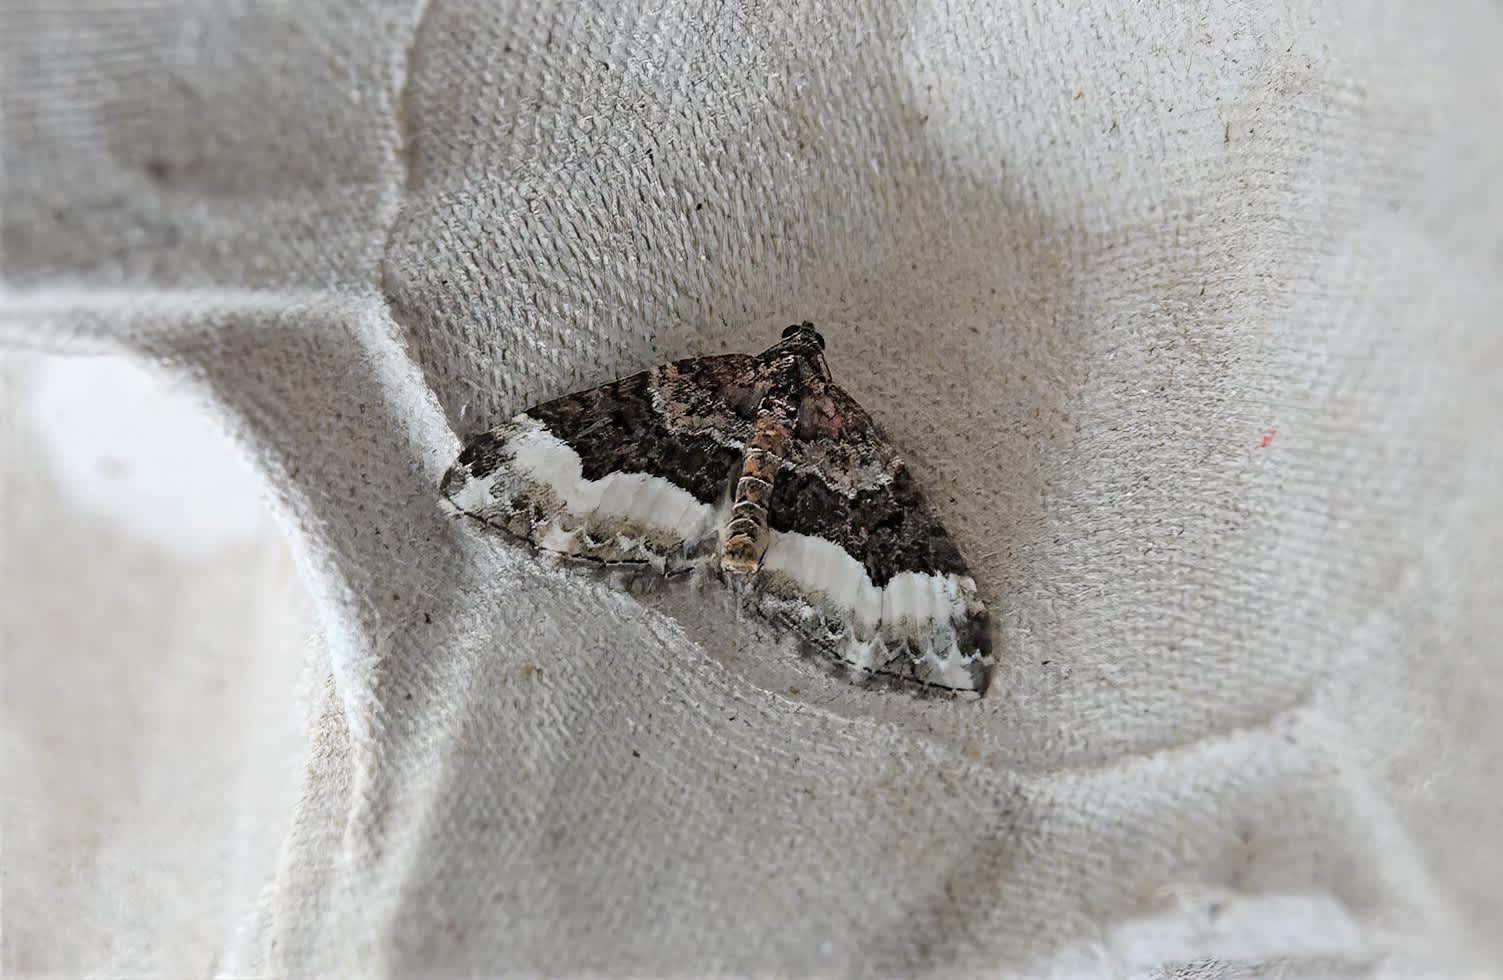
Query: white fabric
{"type": "Point", "coordinates": [1185, 315]}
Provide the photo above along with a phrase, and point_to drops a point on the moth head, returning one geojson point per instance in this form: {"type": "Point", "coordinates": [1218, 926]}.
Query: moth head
{"type": "Point", "coordinates": [806, 327]}
{"type": "Point", "coordinates": [805, 343]}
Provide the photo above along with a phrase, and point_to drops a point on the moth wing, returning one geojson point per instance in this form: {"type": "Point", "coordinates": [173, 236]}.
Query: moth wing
{"type": "Point", "coordinates": [632, 472]}
{"type": "Point", "coordinates": [857, 563]}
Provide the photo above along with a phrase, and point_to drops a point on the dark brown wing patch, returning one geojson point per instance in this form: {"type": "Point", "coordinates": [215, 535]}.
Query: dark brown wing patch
{"type": "Point", "coordinates": [845, 483]}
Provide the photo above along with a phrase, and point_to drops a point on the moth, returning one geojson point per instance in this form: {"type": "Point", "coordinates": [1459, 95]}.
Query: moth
{"type": "Point", "coordinates": [758, 470]}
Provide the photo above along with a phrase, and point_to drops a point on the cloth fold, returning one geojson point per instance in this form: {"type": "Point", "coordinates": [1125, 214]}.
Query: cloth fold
{"type": "Point", "coordinates": [1184, 317]}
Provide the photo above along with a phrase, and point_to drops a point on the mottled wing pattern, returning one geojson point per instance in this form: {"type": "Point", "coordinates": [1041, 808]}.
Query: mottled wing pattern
{"type": "Point", "coordinates": [642, 470]}
{"type": "Point", "coordinates": [859, 566]}
{"type": "Point", "coordinates": [632, 472]}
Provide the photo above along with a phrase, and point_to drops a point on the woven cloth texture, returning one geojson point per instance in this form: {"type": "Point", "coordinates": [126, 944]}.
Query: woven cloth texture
{"type": "Point", "coordinates": [1185, 315]}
